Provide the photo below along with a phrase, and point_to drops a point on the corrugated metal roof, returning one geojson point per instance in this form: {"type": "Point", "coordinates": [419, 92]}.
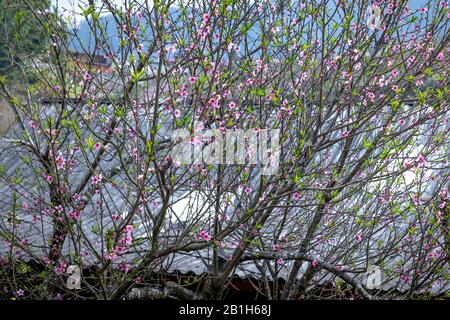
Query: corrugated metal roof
{"type": "Point", "coordinates": [198, 262]}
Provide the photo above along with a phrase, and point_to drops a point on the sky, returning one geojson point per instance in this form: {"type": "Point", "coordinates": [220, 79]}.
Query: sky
{"type": "Point", "coordinates": [70, 8]}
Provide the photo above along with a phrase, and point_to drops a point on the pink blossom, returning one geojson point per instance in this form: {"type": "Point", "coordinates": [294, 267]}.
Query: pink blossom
{"type": "Point", "coordinates": [47, 261]}
{"type": "Point", "coordinates": [204, 235]}
{"type": "Point", "coordinates": [195, 141]}
{"type": "Point", "coordinates": [33, 124]}
{"type": "Point", "coordinates": [110, 256]}
{"type": "Point", "coordinates": [120, 248]}
{"type": "Point", "coordinates": [87, 77]}
{"type": "Point", "coordinates": [124, 267]}
{"type": "Point", "coordinates": [421, 161]}
{"type": "Point", "coordinates": [61, 267]}
{"type": "Point", "coordinates": [97, 146]}
{"type": "Point", "coordinates": [314, 263]}
{"type": "Point", "coordinates": [248, 190]}
{"type": "Point", "coordinates": [297, 196]}
{"type": "Point", "coordinates": [49, 179]}
{"type": "Point", "coordinates": [276, 247]}
{"type": "Point", "coordinates": [280, 261]}
{"type": "Point", "coordinates": [177, 113]}
{"type": "Point", "coordinates": [404, 278]}
{"type": "Point", "coordinates": [75, 214]}
{"type": "Point", "coordinates": [200, 127]}
{"type": "Point", "coordinates": [192, 80]}
{"type": "Point", "coordinates": [395, 88]}
{"type": "Point", "coordinates": [97, 179]}
{"type": "Point", "coordinates": [407, 164]}
{"type": "Point", "coordinates": [232, 105]}
{"type": "Point", "coordinates": [60, 162]}
{"type": "Point", "coordinates": [440, 56]}
{"type": "Point", "coordinates": [212, 101]}
{"type": "Point", "coordinates": [125, 241]}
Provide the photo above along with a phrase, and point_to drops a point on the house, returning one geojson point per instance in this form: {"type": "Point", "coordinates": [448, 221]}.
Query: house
{"type": "Point", "coordinates": [92, 63]}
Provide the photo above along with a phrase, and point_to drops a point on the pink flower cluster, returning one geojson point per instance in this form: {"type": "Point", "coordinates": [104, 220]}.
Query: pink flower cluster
{"type": "Point", "coordinates": [123, 244]}
{"type": "Point", "coordinates": [61, 267]}
{"type": "Point", "coordinates": [420, 162]}
{"type": "Point", "coordinates": [60, 162]}
{"type": "Point", "coordinates": [124, 267]}
{"type": "Point", "coordinates": [204, 235]}
{"type": "Point", "coordinates": [97, 179]}
{"type": "Point", "coordinates": [75, 214]}
{"type": "Point", "coordinates": [128, 238]}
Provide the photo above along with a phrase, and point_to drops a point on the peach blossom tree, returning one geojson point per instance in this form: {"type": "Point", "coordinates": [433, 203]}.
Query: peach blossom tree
{"type": "Point", "coordinates": [94, 206]}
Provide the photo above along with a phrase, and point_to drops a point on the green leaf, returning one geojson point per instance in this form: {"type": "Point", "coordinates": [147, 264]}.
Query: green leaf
{"type": "Point", "coordinates": [149, 147]}
{"type": "Point", "coordinates": [88, 11]}
{"type": "Point", "coordinates": [367, 144]}
{"type": "Point", "coordinates": [90, 142]}
{"type": "Point", "coordinates": [19, 16]}
{"type": "Point", "coordinates": [136, 76]}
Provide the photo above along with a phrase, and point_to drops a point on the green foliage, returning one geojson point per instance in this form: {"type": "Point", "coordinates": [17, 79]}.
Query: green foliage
{"type": "Point", "coordinates": [20, 34]}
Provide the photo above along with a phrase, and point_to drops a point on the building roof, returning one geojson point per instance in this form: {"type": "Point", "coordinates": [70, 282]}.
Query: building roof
{"type": "Point", "coordinates": [15, 166]}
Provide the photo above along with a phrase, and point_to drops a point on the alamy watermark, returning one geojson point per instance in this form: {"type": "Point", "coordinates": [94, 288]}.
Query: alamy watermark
{"type": "Point", "coordinates": [228, 146]}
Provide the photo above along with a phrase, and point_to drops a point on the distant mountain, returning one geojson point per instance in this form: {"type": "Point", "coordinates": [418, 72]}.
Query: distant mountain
{"type": "Point", "coordinates": [84, 38]}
